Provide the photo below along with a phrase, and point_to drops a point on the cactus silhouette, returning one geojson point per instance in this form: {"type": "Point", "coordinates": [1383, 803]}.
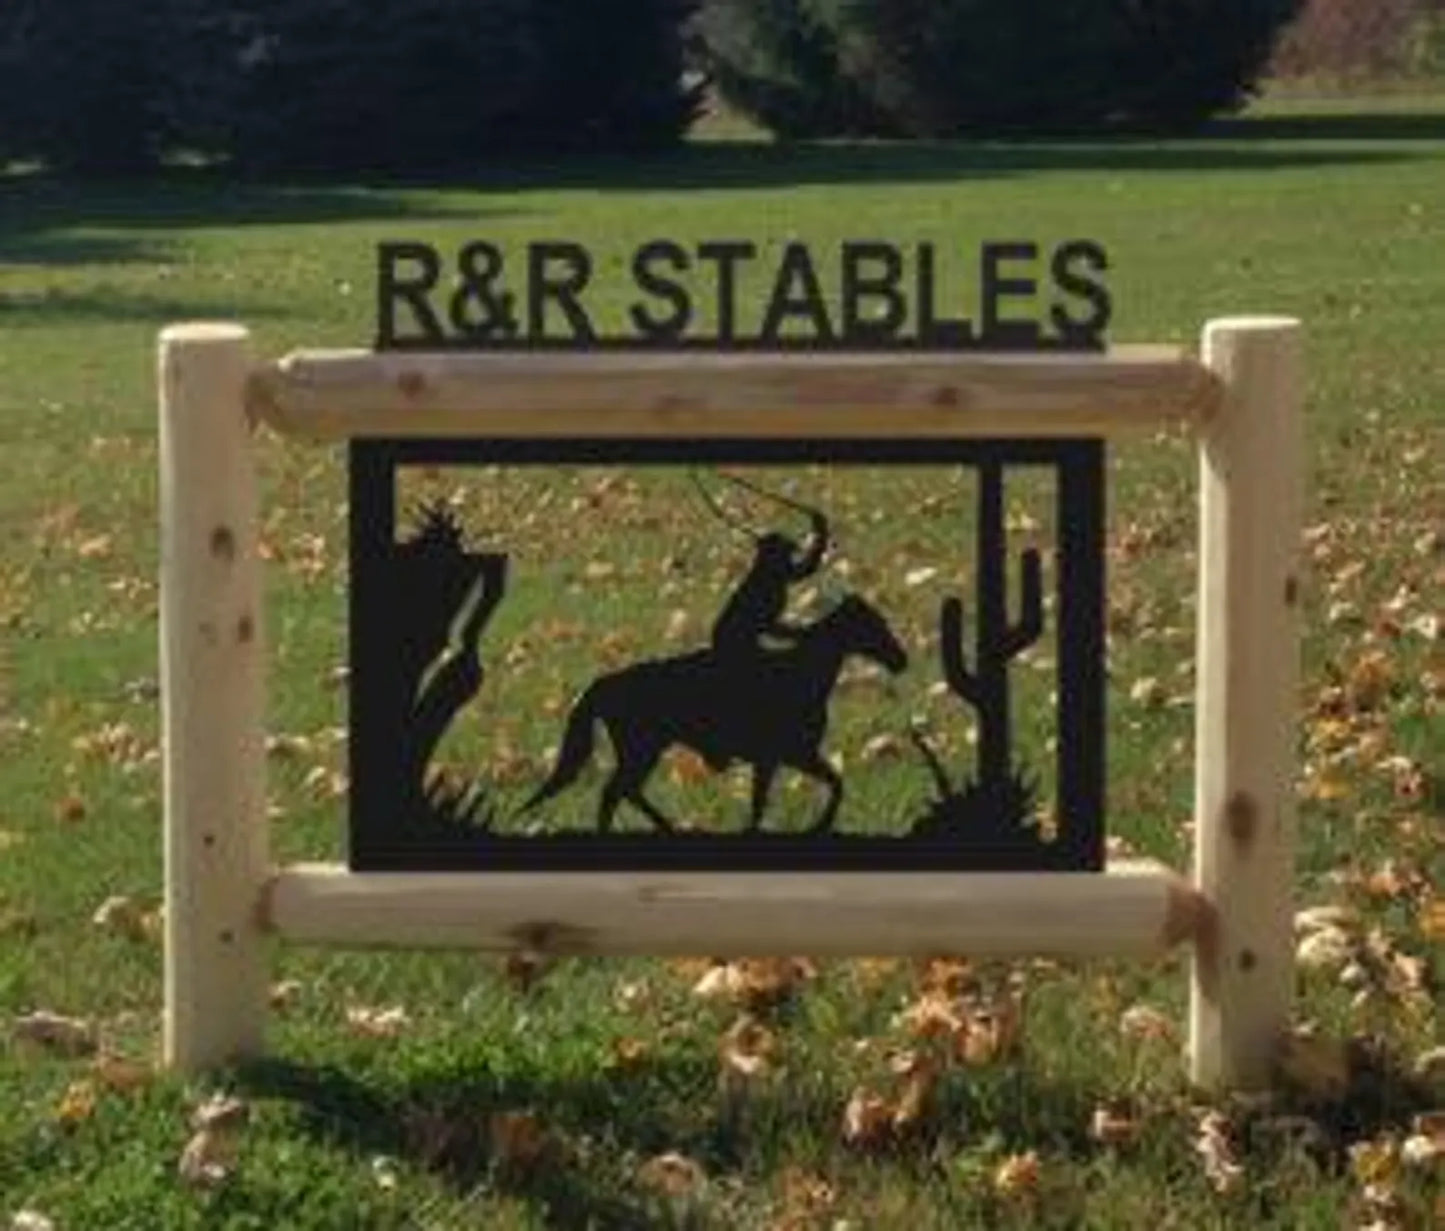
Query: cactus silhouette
{"type": "Point", "coordinates": [985, 686]}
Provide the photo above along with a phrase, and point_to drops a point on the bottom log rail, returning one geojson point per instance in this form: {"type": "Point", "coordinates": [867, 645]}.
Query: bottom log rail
{"type": "Point", "coordinates": [1133, 909]}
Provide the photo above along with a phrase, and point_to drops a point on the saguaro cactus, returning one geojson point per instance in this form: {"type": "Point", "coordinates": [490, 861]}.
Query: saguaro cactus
{"type": "Point", "coordinates": [997, 641]}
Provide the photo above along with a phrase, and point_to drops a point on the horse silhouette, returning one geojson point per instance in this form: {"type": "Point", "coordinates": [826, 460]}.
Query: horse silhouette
{"type": "Point", "coordinates": [767, 709]}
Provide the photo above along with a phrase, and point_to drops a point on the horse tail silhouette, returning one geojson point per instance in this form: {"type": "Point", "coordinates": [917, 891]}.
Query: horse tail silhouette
{"type": "Point", "coordinates": [576, 750]}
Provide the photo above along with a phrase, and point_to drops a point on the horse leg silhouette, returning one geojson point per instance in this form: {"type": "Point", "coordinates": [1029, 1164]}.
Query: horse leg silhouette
{"type": "Point", "coordinates": [637, 756]}
{"type": "Point", "coordinates": [815, 767]}
{"type": "Point", "coordinates": [762, 782]}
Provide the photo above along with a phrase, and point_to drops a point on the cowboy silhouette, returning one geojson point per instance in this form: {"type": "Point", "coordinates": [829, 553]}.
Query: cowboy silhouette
{"type": "Point", "coordinates": [755, 608]}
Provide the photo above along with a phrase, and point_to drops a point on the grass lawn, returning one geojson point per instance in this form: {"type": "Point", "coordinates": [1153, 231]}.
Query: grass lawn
{"type": "Point", "coordinates": [497, 1100]}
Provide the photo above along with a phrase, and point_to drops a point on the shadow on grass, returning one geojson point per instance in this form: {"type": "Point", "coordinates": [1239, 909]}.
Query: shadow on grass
{"type": "Point", "coordinates": [107, 305]}
{"type": "Point", "coordinates": [38, 211]}
{"type": "Point", "coordinates": [440, 1119]}
{"type": "Point", "coordinates": [34, 205]}
{"type": "Point", "coordinates": [1333, 126]}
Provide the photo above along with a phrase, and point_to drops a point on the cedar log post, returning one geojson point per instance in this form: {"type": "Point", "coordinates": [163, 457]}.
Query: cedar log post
{"type": "Point", "coordinates": [212, 663]}
{"type": "Point", "coordinates": [1251, 461]}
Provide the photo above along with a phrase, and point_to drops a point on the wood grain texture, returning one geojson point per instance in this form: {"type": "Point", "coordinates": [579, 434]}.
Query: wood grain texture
{"type": "Point", "coordinates": [335, 395]}
{"type": "Point", "coordinates": [1251, 466]}
{"type": "Point", "coordinates": [1135, 908]}
{"type": "Point", "coordinates": [212, 666]}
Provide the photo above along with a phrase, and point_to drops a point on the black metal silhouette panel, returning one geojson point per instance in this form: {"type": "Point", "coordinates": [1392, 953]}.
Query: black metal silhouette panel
{"type": "Point", "coordinates": [444, 611]}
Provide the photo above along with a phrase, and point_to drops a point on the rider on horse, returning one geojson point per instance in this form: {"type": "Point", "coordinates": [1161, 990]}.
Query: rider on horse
{"type": "Point", "coordinates": [755, 608]}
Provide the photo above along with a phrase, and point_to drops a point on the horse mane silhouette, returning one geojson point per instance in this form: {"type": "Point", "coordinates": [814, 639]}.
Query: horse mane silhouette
{"type": "Point", "coordinates": [768, 709]}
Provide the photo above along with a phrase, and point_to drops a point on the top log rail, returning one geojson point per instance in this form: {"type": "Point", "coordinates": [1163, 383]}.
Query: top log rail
{"type": "Point", "coordinates": [338, 395]}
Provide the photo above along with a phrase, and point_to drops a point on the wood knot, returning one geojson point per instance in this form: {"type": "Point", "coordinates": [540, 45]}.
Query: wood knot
{"type": "Point", "coordinates": [944, 395]}
{"type": "Point", "coordinates": [1291, 590]}
{"type": "Point", "coordinates": [223, 543]}
{"type": "Point", "coordinates": [412, 384]}
{"type": "Point", "coordinates": [1241, 818]}
{"type": "Point", "coordinates": [548, 938]}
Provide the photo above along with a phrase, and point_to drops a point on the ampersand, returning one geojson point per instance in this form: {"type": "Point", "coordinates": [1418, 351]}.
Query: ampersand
{"type": "Point", "coordinates": [479, 266]}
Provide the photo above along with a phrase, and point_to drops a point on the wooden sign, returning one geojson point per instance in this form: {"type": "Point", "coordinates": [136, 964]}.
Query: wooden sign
{"type": "Point", "coordinates": [441, 589]}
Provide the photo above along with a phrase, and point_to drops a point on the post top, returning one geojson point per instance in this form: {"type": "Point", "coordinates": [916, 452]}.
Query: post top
{"type": "Point", "coordinates": [205, 331]}
{"type": "Point", "coordinates": [1252, 324]}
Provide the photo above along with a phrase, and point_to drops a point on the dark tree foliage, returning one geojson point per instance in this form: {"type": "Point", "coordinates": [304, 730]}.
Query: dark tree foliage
{"type": "Point", "coordinates": [81, 83]}
{"type": "Point", "coordinates": [815, 68]}
{"type": "Point", "coordinates": [420, 85]}
{"type": "Point", "coordinates": [338, 85]}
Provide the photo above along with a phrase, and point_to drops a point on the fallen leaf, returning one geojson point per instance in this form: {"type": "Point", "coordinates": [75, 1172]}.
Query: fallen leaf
{"type": "Point", "coordinates": [1017, 1176]}
{"type": "Point", "coordinates": [518, 1139]}
{"type": "Point", "coordinates": [919, 576]}
{"type": "Point", "coordinates": [1375, 1162]}
{"type": "Point", "coordinates": [1114, 1124]}
{"type": "Point", "coordinates": [377, 1023]}
{"type": "Point", "coordinates": [1316, 1065]}
{"type": "Point", "coordinates": [747, 1048]}
{"type": "Point", "coordinates": [220, 1112]}
{"type": "Point", "coordinates": [121, 916]}
{"type": "Point", "coordinates": [629, 1051]}
{"type": "Point", "coordinates": [920, 1075]}
{"type": "Point", "coordinates": [69, 1036]}
{"type": "Point", "coordinates": [281, 996]}
{"type": "Point", "coordinates": [77, 1103]}
{"type": "Point", "coordinates": [70, 809]}
{"type": "Point", "coordinates": [31, 1220]}
{"type": "Point", "coordinates": [121, 1075]}
{"type": "Point", "coordinates": [867, 1120]}
{"type": "Point", "coordinates": [1327, 949]}
{"type": "Point", "coordinates": [673, 1175]}
{"type": "Point", "coordinates": [209, 1158]}
{"type": "Point", "coordinates": [1142, 1021]}
{"type": "Point", "coordinates": [1147, 691]}
{"type": "Point", "coordinates": [524, 969]}
{"type": "Point", "coordinates": [1319, 918]}
{"type": "Point", "coordinates": [754, 983]}
{"type": "Point", "coordinates": [1426, 1143]}
{"type": "Point", "coordinates": [1214, 1146]}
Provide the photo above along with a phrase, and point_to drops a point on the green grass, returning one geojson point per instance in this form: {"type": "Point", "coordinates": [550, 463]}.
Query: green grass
{"type": "Point", "coordinates": [1337, 218]}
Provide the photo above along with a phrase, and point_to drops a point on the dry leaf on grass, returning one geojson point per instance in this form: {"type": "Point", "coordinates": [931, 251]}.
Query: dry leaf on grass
{"type": "Point", "coordinates": [121, 916]}
{"type": "Point", "coordinates": [805, 1197]}
{"type": "Point", "coordinates": [1017, 1176]}
{"type": "Point", "coordinates": [377, 1023]}
{"type": "Point", "coordinates": [524, 969]}
{"type": "Point", "coordinates": [121, 1075]}
{"type": "Point", "coordinates": [77, 1103]}
{"type": "Point", "coordinates": [209, 1157]}
{"type": "Point", "coordinates": [755, 983]}
{"type": "Point", "coordinates": [70, 809]}
{"type": "Point", "coordinates": [1316, 1065]}
{"type": "Point", "coordinates": [518, 1139]}
{"type": "Point", "coordinates": [1114, 1124]}
{"type": "Point", "coordinates": [31, 1220]}
{"type": "Point", "coordinates": [920, 1077]}
{"type": "Point", "coordinates": [746, 1049]}
{"type": "Point", "coordinates": [1327, 949]}
{"type": "Point", "coordinates": [66, 1036]}
{"type": "Point", "coordinates": [1426, 1143]}
{"type": "Point", "coordinates": [281, 996]}
{"type": "Point", "coordinates": [1214, 1146]}
{"type": "Point", "coordinates": [672, 1175]}
{"type": "Point", "coordinates": [867, 1120]}
{"type": "Point", "coordinates": [1142, 1021]}
{"type": "Point", "coordinates": [220, 1112]}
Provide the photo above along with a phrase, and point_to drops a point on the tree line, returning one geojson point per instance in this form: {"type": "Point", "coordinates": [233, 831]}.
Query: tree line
{"type": "Point", "coordinates": [101, 87]}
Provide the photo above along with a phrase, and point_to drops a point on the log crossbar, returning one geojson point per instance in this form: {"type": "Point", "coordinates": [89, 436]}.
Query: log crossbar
{"type": "Point", "coordinates": [338, 395]}
{"type": "Point", "coordinates": [1138, 909]}
{"type": "Point", "coordinates": [225, 899]}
